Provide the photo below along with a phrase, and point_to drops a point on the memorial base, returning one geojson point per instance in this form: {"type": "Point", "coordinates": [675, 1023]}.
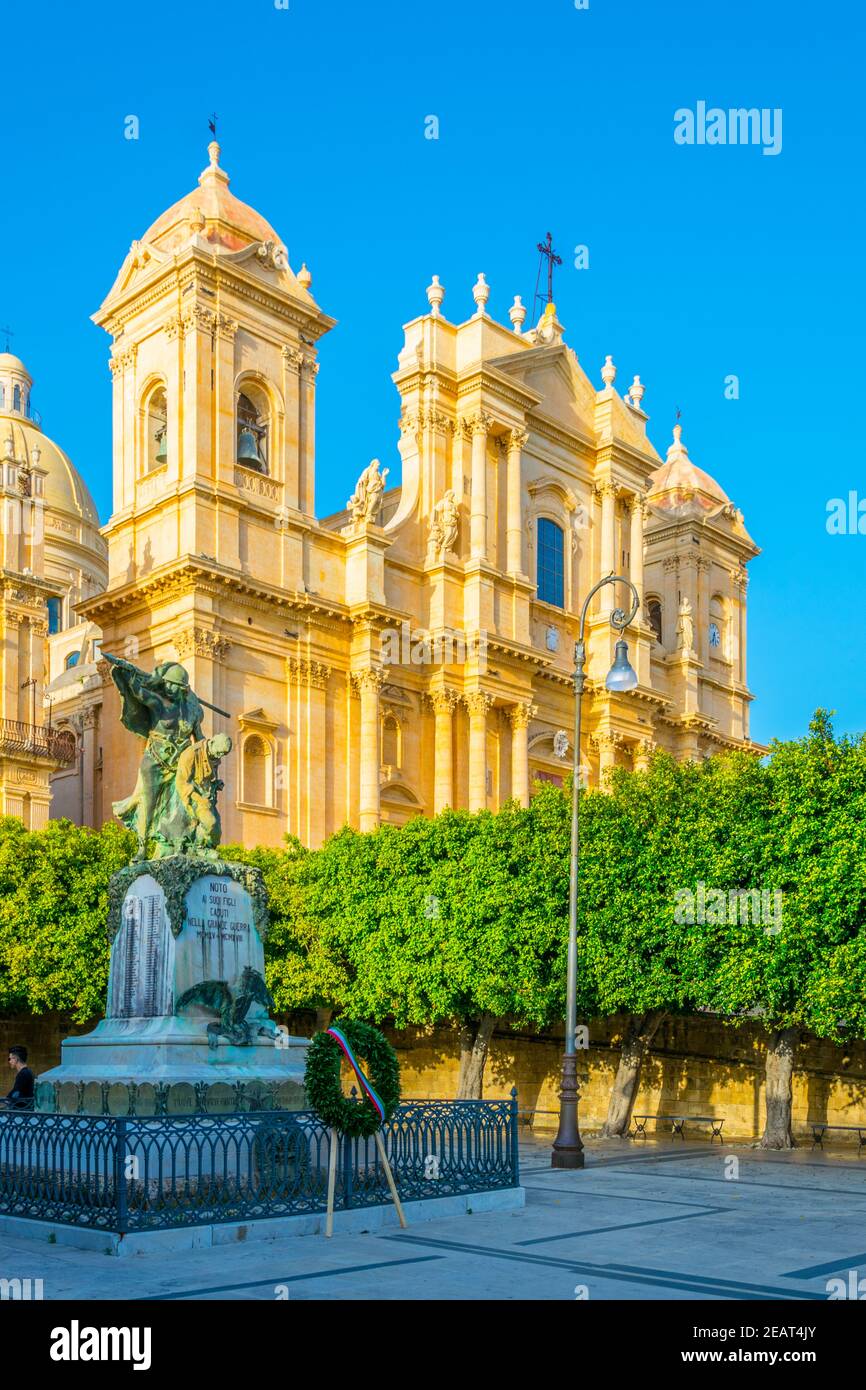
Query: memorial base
{"type": "Point", "coordinates": [165, 1066]}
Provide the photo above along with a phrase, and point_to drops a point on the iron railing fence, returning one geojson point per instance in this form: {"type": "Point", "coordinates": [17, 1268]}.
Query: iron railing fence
{"type": "Point", "coordinates": [138, 1173]}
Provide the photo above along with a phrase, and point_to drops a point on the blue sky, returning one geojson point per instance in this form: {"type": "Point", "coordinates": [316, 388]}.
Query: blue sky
{"type": "Point", "coordinates": [704, 261]}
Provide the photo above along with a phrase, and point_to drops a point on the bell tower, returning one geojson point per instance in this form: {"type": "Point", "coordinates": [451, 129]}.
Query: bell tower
{"type": "Point", "coordinates": [214, 366]}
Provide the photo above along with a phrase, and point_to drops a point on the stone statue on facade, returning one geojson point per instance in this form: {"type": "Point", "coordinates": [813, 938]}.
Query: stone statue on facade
{"type": "Point", "coordinates": [366, 500]}
{"type": "Point", "coordinates": [685, 627]}
{"type": "Point", "coordinates": [443, 527]}
{"type": "Point", "coordinates": [173, 805]}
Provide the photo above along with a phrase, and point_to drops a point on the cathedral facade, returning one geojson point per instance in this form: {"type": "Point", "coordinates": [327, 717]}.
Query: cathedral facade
{"type": "Point", "coordinates": [414, 651]}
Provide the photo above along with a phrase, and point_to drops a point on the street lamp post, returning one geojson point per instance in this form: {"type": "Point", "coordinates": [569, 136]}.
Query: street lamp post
{"type": "Point", "coordinates": [567, 1146]}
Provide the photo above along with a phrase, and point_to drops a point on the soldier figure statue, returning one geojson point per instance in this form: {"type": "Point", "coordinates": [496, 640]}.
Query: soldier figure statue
{"type": "Point", "coordinates": [173, 804]}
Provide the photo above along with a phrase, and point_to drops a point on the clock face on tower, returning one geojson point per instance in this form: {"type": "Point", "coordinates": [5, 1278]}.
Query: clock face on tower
{"type": "Point", "coordinates": [715, 635]}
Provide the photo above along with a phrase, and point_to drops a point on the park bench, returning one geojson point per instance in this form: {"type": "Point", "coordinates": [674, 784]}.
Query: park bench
{"type": "Point", "coordinates": [525, 1118]}
{"type": "Point", "coordinates": [819, 1128]}
{"type": "Point", "coordinates": [678, 1123]}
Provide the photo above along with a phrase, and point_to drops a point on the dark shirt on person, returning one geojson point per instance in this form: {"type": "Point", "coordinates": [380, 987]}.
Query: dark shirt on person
{"type": "Point", "coordinates": [21, 1095]}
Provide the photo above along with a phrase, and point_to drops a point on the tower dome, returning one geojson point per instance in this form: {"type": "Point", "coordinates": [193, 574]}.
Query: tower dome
{"type": "Point", "coordinates": [679, 486]}
{"type": "Point", "coordinates": [212, 213]}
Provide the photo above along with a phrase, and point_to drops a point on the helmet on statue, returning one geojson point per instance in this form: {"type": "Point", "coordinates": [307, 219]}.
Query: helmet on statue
{"type": "Point", "coordinates": [175, 675]}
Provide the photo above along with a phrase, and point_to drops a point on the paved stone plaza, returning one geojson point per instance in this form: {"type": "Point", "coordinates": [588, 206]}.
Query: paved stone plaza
{"type": "Point", "coordinates": [643, 1221]}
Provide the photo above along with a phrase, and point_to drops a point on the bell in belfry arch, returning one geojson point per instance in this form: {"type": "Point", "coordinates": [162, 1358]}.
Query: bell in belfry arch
{"type": "Point", "coordinates": [248, 448]}
{"type": "Point", "coordinates": [161, 455]}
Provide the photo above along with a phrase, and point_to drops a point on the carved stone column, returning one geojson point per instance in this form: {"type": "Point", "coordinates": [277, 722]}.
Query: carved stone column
{"type": "Point", "coordinates": [308, 682]}
{"type": "Point", "coordinates": [740, 582]}
{"type": "Point", "coordinates": [443, 702]}
{"type": "Point", "coordinates": [291, 474]}
{"type": "Point", "coordinates": [636, 545]}
{"type": "Point", "coordinates": [478, 703]}
{"type": "Point", "coordinates": [608, 492]}
{"type": "Point", "coordinates": [606, 744]}
{"type": "Point", "coordinates": [519, 717]}
{"type": "Point", "coordinates": [514, 527]}
{"type": "Point", "coordinates": [368, 684]}
{"type": "Point", "coordinates": [307, 449]}
{"type": "Point", "coordinates": [480, 425]}
{"type": "Point", "coordinates": [89, 725]}
{"type": "Point", "coordinates": [641, 754]}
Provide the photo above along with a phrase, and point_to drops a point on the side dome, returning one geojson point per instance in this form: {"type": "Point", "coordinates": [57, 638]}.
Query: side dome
{"type": "Point", "coordinates": [69, 508]}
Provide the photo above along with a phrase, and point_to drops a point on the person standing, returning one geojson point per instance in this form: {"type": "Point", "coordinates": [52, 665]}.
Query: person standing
{"type": "Point", "coordinates": [21, 1095]}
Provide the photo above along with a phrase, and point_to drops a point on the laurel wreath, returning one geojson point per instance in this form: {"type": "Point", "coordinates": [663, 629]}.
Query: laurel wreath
{"type": "Point", "coordinates": [358, 1119]}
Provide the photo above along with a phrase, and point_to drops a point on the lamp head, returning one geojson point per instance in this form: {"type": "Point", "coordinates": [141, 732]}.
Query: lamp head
{"type": "Point", "coordinates": [621, 675]}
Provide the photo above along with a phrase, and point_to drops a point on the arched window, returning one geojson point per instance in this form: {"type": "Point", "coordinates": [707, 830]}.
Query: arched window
{"type": "Point", "coordinates": [253, 421]}
{"type": "Point", "coordinates": [16, 398]}
{"type": "Point", "coordinates": [654, 616]}
{"type": "Point", "coordinates": [551, 572]}
{"type": "Point", "coordinates": [155, 430]}
{"type": "Point", "coordinates": [72, 660]}
{"type": "Point", "coordinates": [2, 395]}
{"type": "Point", "coordinates": [256, 771]}
{"type": "Point", "coordinates": [55, 615]}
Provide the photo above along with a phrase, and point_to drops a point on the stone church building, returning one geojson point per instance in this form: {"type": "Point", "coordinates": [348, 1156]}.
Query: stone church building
{"type": "Point", "coordinates": [416, 650]}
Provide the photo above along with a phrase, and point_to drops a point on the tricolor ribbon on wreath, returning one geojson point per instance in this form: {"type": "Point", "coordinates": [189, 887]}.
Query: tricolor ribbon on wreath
{"type": "Point", "coordinates": [366, 1089]}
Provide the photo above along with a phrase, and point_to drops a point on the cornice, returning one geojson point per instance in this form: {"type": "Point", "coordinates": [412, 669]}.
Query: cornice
{"type": "Point", "coordinates": [189, 575]}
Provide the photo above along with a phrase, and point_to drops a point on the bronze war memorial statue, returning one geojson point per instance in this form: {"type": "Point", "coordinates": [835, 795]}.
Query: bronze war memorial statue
{"type": "Point", "coordinates": [188, 1025]}
{"type": "Point", "coordinates": [174, 803]}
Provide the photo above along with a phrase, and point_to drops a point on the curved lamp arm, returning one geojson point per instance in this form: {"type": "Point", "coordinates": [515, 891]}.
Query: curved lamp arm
{"type": "Point", "coordinates": [618, 618]}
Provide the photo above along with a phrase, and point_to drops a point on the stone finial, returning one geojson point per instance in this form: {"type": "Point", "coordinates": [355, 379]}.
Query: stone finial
{"type": "Point", "coordinates": [435, 295]}
{"type": "Point", "coordinates": [213, 152]}
{"type": "Point", "coordinates": [608, 371]}
{"type": "Point", "coordinates": [636, 391]}
{"type": "Point", "coordinates": [305, 279]}
{"type": "Point", "coordinates": [517, 314]}
{"type": "Point", "coordinates": [678, 448]}
{"type": "Point", "coordinates": [481, 294]}
{"type": "Point", "coordinates": [197, 220]}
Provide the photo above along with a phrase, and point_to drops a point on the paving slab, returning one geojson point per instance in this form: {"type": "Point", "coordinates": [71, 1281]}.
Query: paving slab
{"type": "Point", "coordinates": [659, 1220]}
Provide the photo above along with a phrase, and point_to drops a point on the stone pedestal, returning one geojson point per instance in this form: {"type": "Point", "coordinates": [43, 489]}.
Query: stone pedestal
{"type": "Point", "coordinates": [181, 925]}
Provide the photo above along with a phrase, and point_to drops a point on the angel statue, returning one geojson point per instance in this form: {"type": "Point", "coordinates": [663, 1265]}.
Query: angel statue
{"type": "Point", "coordinates": [173, 804]}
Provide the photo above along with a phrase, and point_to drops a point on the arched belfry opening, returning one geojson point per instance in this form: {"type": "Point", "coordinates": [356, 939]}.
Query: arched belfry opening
{"type": "Point", "coordinates": [253, 428]}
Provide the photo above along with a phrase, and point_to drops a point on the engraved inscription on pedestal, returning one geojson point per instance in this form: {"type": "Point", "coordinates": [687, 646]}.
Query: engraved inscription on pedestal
{"type": "Point", "coordinates": [219, 939]}
{"type": "Point", "coordinates": [142, 958]}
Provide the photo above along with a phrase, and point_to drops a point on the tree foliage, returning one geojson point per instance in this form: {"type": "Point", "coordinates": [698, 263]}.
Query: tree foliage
{"type": "Point", "coordinates": [53, 910]}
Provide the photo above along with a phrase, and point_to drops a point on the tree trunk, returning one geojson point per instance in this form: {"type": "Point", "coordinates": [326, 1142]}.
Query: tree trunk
{"type": "Point", "coordinates": [323, 1019]}
{"type": "Point", "coordinates": [780, 1074]}
{"type": "Point", "coordinates": [635, 1046]}
{"type": "Point", "coordinates": [475, 1035]}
